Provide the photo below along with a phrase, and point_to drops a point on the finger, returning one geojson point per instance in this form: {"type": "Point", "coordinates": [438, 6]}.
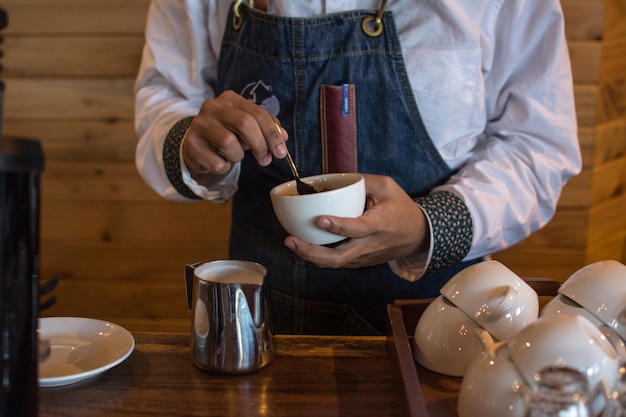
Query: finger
{"type": "Point", "coordinates": [257, 130]}
{"type": "Point", "coordinates": [230, 124]}
{"type": "Point", "coordinates": [321, 256]}
{"type": "Point", "coordinates": [277, 142]}
{"type": "Point", "coordinates": [345, 226]}
{"type": "Point", "coordinates": [215, 157]}
{"type": "Point", "coordinates": [374, 184]}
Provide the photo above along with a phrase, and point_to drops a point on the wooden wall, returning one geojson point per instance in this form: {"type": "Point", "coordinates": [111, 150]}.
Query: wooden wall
{"type": "Point", "coordinates": [119, 250]}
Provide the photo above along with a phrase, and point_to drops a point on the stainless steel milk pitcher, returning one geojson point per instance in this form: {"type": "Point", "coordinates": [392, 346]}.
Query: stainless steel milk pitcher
{"type": "Point", "coordinates": [231, 330]}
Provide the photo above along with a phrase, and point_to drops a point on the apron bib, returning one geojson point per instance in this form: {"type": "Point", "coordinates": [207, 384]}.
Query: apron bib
{"type": "Point", "coordinates": [287, 66]}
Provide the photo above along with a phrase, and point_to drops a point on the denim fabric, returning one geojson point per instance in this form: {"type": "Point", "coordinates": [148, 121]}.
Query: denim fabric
{"type": "Point", "coordinates": [280, 63]}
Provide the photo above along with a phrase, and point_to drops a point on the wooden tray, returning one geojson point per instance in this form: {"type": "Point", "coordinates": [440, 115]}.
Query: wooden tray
{"type": "Point", "coordinates": [427, 393]}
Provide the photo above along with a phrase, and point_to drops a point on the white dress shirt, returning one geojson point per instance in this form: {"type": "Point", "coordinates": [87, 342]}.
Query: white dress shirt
{"type": "Point", "coordinates": [492, 80]}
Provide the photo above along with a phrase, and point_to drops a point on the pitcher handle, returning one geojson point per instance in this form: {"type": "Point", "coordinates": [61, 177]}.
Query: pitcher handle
{"type": "Point", "coordinates": [190, 270]}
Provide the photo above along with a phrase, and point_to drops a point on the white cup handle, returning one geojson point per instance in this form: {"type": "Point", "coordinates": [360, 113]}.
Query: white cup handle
{"type": "Point", "coordinates": [507, 299]}
{"type": "Point", "coordinates": [485, 338]}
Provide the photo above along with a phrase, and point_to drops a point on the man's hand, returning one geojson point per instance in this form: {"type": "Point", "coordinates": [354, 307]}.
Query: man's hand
{"type": "Point", "coordinates": [392, 227]}
{"type": "Point", "coordinates": [224, 129]}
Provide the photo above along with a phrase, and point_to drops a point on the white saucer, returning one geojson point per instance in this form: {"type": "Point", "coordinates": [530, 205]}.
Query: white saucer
{"type": "Point", "coordinates": [81, 348]}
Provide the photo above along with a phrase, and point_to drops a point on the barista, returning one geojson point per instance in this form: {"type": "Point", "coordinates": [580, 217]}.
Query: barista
{"type": "Point", "coordinates": [459, 113]}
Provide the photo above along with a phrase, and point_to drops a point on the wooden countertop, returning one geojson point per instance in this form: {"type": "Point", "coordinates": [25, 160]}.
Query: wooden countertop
{"type": "Point", "coordinates": [310, 376]}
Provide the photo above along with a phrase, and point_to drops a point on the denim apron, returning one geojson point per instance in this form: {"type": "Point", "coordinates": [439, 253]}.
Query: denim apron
{"type": "Point", "coordinates": [281, 64]}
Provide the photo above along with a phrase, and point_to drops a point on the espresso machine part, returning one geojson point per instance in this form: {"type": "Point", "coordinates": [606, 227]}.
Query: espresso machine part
{"type": "Point", "coordinates": [4, 21]}
{"type": "Point", "coordinates": [21, 164]}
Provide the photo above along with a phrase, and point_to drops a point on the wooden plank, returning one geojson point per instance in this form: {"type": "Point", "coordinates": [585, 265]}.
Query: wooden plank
{"type": "Point", "coordinates": [600, 103]}
{"type": "Point", "coordinates": [108, 299]}
{"type": "Point", "coordinates": [581, 228]}
{"type": "Point", "coordinates": [584, 19]}
{"type": "Point", "coordinates": [140, 282]}
{"type": "Point", "coordinates": [68, 99]}
{"type": "Point", "coordinates": [608, 249]}
{"type": "Point", "coordinates": [595, 185]}
{"type": "Point", "coordinates": [610, 139]}
{"type": "Point", "coordinates": [586, 60]}
{"type": "Point", "coordinates": [586, 98]}
{"type": "Point", "coordinates": [76, 16]}
{"type": "Point", "coordinates": [613, 59]}
{"type": "Point", "coordinates": [147, 261]}
{"type": "Point", "coordinates": [577, 192]}
{"type": "Point", "coordinates": [80, 141]}
{"type": "Point", "coordinates": [602, 142]}
{"type": "Point", "coordinates": [612, 100]}
{"type": "Point", "coordinates": [114, 56]}
{"type": "Point", "coordinates": [594, 19]}
{"type": "Point", "coordinates": [606, 220]}
{"type": "Point", "coordinates": [118, 221]}
{"type": "Point", "coordinates": [558, 263]}
{"type": "Point", "coordinates": [614, 18]}
{"type": "Point", "coordinates": [78, 182]}
{"type": "Point", "coordinates": [598, 61]}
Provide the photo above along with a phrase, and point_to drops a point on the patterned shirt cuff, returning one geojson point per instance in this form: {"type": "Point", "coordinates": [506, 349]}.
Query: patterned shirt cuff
{"type": "Point", "coordinates": [171, 157]}
{"type": "Point", "coordinates": [451, 228]}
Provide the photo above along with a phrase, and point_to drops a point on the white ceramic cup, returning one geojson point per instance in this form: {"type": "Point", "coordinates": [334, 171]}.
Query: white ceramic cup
{"type": "Point", "coordinates": [600, 288]}
{"type": "Point", "coordinates": [495, 297]}
{"type": "Point", "coordinates": [492, 386]}
{"type": "Point", "coordinates": [341, 194]}
{"type": "Point", "coordinates": [565, 340]}
{"type": "Point", "coordinates": [563, 305]}
{"type": "Point", "coordinates": [445, 339]}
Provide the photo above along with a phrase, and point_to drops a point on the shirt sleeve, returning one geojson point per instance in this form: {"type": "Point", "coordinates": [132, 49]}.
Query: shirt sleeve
{"type": "Point", "coordinates": [511, 181]}
{"type": "Point", "coordinates": [174, 79]}
{"type": "Point", "coordinates": [450, 228]}
{"type": "Point", "coordinates": [222, 188]}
